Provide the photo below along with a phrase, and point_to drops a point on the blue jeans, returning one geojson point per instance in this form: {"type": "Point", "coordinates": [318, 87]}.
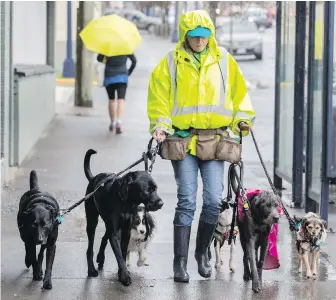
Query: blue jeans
{"type": "Point", "coordinates": [186, 174]}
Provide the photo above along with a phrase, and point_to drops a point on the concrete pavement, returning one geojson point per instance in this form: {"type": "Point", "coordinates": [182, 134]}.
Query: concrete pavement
{"type": "Point", "coordinates": [58, 160]}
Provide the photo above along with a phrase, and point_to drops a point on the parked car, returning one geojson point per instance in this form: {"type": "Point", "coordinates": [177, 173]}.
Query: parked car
{"type": "Point", "coordinates": [137, 17]}
{"type": "Point", "coordinates": [246, 40]}
{"type": "Point", "coordinates": [262, 20]}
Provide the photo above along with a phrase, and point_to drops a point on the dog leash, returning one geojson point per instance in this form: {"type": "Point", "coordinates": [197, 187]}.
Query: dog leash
{"type": "Point", "coordinates": [149, 155]}
{"type": "Point", "coordinates": [292, 225]}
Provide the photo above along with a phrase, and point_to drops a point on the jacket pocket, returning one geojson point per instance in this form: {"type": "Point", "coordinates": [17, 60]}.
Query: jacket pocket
{"type": "Point", "coordinates": [174, 148]}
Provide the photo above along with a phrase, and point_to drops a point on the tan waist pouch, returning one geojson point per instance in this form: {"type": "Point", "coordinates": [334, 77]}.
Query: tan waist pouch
{"type": "Point", "coordinates": [174, 148]}
{"type": "Point", "coordinates": [228, 149]}
{"type": "Point", "coordinates": [217, 145]}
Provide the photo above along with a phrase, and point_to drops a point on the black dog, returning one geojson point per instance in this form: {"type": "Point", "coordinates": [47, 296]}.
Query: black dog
{"type": "Point", "coordinates": [116, 201]}
{"type": "Point", "coordinates": [254, 229]}
{"type": "Point", "coordinates": [38, 225]}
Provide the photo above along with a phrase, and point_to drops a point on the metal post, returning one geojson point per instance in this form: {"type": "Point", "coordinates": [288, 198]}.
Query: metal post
{"type": "Point", "coordinates": [298, 122]}
{"type": "Point", "coordinates": [277, 179]}
{"type": "Point", "coordinates": [310, 204]}
{"type": "Point", "coordinates": [69, 64]}
{"type": "Point", "coordinates": [231, 30]}
{"type": "Point", "coordinates": [175, 36]}
{"type": "Point", "coordinates": [51, 33]}
{"type": "Point", "coordinates": [327, 106]}
{"type": "Point", "coordinates": [84, 72]}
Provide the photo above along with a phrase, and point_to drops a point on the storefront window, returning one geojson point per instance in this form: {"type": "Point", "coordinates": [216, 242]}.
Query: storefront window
{"type": "Point", "coordinates": [334, 106]}
{"type": "Point", "coordinates": [287, 67]}
{"type": "Point", "coordinates": [314, 186]}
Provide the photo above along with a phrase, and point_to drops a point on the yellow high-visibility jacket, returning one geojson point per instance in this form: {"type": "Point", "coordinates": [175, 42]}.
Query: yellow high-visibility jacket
{"type": "Point", "coordinates": [184, 96]}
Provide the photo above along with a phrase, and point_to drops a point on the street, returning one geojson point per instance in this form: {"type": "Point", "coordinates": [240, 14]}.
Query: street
{"type": "Point", "coordinates": [58, 159]}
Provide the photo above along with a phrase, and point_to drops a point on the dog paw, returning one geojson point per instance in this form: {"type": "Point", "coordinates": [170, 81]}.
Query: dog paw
{"type": "Point", "coordinates": [247, 276]}
{"type": "Point", "coordinates": [141, 263]}
{"type": "Point", "coordinates": [308, 275]}
{"type": "Point", "coordinates": [218, 265]}
{"type": "Point", "coordinates": [128, 263]}
{"type": "Point", "coordinates": [37, 276]}
{"type": "Point", "coordinates": [100, 261]}
{"type": "Point", "coordinates": [232, 269]}
{"type": "Point", "coordinates": [92, 273]}
{"type": "Point", "coordinates": [125, 277]}
{"type": "Point", "coordinates": [47, 285]}
{"type": "Point", "coordinates": [256, 287]}
{"type": "Point", "coordinates": [222, 262]}
{"type": "Point", "coordinates": [27, 262]}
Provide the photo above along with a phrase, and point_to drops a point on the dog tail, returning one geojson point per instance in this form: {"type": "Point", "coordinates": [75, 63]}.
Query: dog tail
{"type": "Point", "coordinates": [87, 169]}
{"type": "Point", "coordinates": [33, 181]}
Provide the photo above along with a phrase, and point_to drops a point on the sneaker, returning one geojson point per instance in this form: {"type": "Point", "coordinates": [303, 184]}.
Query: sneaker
{"type": "Point", "coordinates": [111, 127]}
{"type": "Point", "coordinates": [118, 129]}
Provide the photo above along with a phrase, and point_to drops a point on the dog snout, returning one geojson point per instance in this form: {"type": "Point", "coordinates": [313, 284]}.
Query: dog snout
{"type": "Point", "coordinates": [159, 203]}
{"type": "Point", "coordinates": [155, 205]}
{"type": "Point", "coordinates": [276, 218]}
{"type": "Point", "coordinates": [39, 240]}
{"type": "Point", "coordinates": [142, 231]}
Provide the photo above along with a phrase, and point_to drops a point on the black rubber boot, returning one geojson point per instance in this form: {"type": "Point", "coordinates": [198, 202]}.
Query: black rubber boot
{"type": "Point", "coordinates": [181, 247]}
{"type": "Point", "coordinates": [203, 240]}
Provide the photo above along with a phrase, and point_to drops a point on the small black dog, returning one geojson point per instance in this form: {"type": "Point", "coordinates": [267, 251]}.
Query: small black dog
{"type": "Point", "coordinates": [254, 229]}
{"type": "Point", "coordinates": [139, 232]}
{"type": "Point", "coordinates": [116, 201]}
{"type": "Point", "coordinates": [38, 225]}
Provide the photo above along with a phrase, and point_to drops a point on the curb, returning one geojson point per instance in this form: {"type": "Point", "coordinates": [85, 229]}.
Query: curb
{"type": "Point", "coordinates": [71, 81]}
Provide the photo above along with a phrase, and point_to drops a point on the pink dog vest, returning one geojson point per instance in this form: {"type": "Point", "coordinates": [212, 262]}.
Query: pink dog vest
{"type": "Point", "coordinates": [272, 257]}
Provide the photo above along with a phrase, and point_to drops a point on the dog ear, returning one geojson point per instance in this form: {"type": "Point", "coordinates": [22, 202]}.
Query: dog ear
{"type": "Point", "coordinates": [297, 219]}
{"type": "Point", "coordinates": [324, 224]}
{"type": "Point", "coordinates": [129, 179]}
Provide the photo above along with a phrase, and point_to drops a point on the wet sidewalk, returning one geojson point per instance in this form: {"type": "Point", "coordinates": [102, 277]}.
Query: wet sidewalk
{"type": "Point", "coordinates": [58, 159]}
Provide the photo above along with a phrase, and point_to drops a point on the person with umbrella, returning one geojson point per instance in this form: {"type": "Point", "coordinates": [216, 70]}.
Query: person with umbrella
{"type": "Point", "coordinates": [115, 81]}
{"type": "Point", "coordinates": [196, 94]}
{"type": "Point", "coordinates": [104, 36]}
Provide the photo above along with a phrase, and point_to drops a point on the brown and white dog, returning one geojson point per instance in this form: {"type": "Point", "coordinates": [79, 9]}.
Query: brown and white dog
{"type": "Point", "coordinates": [311, 235]}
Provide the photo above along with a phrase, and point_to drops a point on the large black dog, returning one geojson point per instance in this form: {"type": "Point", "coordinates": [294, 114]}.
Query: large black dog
{"type": "Point", "coordinates": [254, 229]}
{"type": "Point", "coordinates": [38, 225]}
{"type": "Point", "coordinates": [115, 202]}
{"type": "Point", "coordinates": [254, 226]}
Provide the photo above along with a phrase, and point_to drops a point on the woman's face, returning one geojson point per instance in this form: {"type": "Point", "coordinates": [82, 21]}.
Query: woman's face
{"type": "Point", "coordinates": [198, 44]}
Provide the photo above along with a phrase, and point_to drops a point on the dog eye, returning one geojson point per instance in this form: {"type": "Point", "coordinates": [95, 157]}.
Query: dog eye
{"type": "Point", "coordinates": [137, 222]}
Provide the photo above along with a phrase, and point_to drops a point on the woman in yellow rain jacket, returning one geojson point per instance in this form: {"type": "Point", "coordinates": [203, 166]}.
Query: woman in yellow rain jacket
{"type": "Point", "coordinates": [197, 86]}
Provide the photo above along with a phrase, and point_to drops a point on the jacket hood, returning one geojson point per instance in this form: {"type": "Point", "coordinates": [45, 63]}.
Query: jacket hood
{"type": "Point", "coordinates": [193, 19]}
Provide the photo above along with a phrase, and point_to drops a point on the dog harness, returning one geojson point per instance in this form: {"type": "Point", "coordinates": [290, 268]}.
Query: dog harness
{"type": "Point", "coordinates": [223, 236]}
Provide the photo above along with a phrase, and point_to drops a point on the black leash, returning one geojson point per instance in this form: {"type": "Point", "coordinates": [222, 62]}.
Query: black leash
{"type": "Point", "coordinates": [292, 225]}
{"type": "Point", "coordinates": [149, 155]}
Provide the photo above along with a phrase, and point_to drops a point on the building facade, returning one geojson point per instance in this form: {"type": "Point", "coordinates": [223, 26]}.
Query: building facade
{"type": "Point", "coordinates": [305, 103]}
{"type": "Point", "coordinates": [27, 81]}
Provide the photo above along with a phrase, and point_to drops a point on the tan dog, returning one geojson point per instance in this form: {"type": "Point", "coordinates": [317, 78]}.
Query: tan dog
{"type": "Point", "coordinates": [310, 237]}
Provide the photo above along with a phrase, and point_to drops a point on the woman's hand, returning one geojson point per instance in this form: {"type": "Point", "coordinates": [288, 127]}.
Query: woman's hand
{"type": "Point", "coordinates": [159, 135]}
{"type": "Point", "coordinates": [244, 126]}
